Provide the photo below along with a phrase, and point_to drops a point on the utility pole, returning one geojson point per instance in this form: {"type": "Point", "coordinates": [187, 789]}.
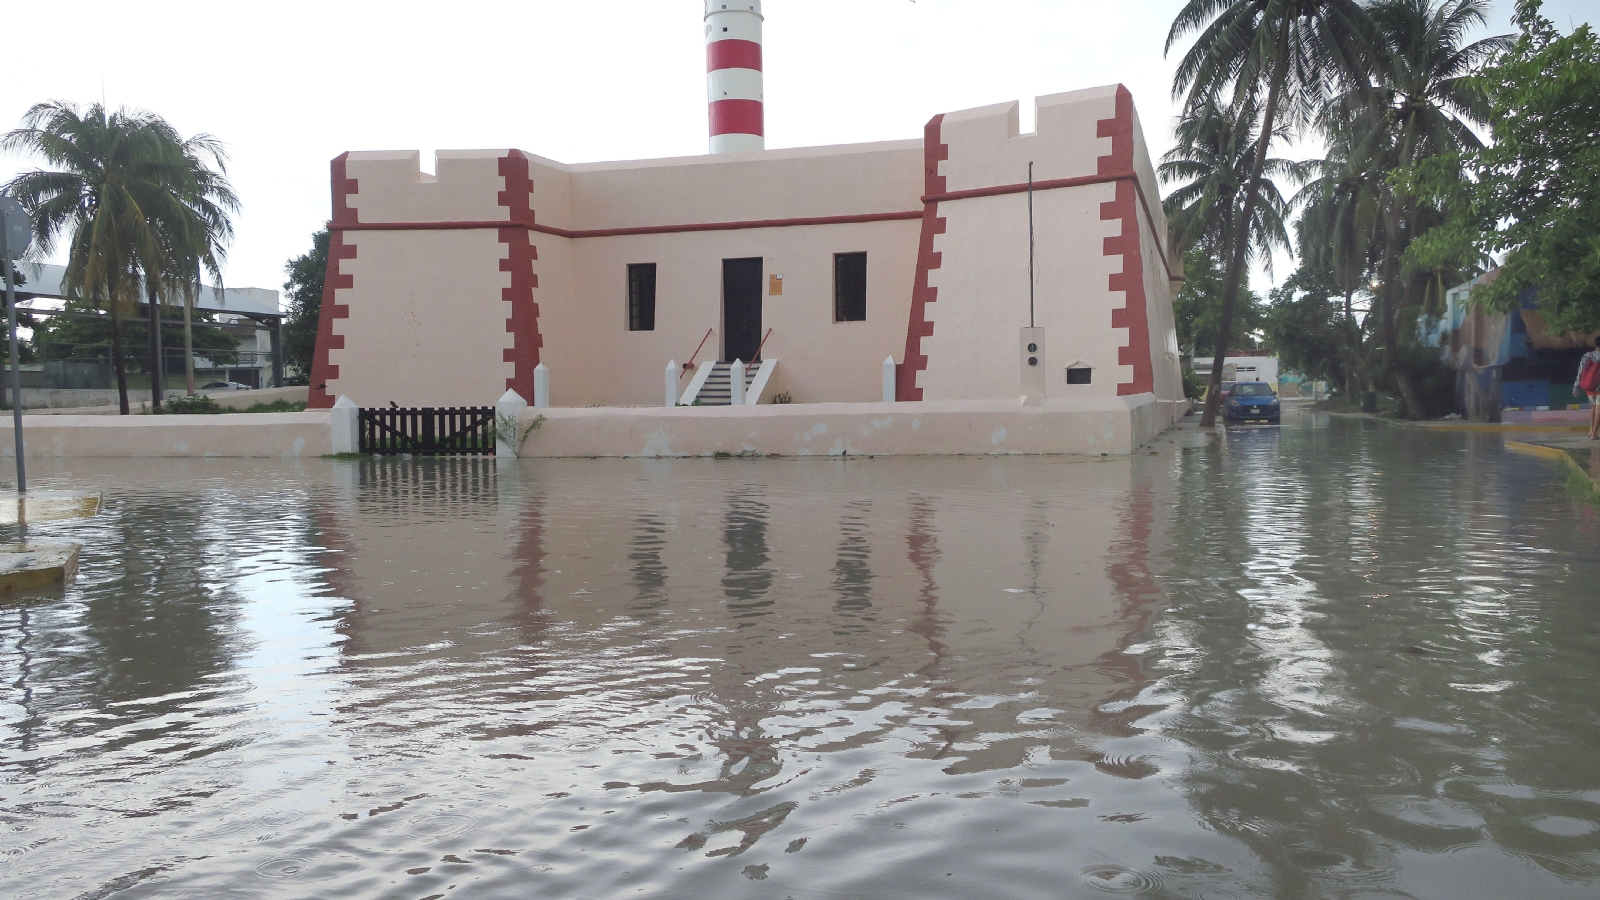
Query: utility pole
{"type": "Point", "coordinates": [15, 235]}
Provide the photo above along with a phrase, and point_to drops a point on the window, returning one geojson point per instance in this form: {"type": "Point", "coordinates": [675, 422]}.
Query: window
{"type": "Point", "coordinates": [1079, 375]}
{"type": "Point", "coordinates": [849, 287]}
{"type": "Point", "coordinates": [642, 297]}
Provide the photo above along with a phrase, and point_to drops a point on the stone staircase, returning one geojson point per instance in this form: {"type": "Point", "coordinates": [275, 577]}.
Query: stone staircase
{"type": "Point", "coordinates": [718, 388]}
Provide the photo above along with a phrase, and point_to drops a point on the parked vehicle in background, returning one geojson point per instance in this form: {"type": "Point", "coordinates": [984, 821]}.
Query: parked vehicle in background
{"type": "Point", "coordinates": [1225, 387]}
{"type": "Point", "coordinates": [225, 386]}
{"type": "Point", "coordinates": [1252, 401]}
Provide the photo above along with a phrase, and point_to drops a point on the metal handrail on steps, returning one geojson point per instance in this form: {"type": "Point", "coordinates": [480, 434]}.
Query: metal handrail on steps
{"type": "Point", "coordinates": [757, 357]}
{"type": "Point", "coordinates": [690, 364]}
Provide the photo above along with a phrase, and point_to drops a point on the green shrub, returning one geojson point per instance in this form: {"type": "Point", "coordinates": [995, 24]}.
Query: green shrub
{"type": "Point", "coordinates": [188, 406]}
{"type": "Point", "coordinates": [276, 406]}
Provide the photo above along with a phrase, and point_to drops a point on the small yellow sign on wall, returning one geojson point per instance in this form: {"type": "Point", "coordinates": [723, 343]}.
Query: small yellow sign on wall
{"type": "Point", "coordinates": [775, 285]}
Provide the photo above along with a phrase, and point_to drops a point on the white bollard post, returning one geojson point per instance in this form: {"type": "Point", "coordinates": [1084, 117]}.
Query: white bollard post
{"type": "Point", "coordinates": [671, 382]}
{"type": "Point", "coordinates": [345, 422]}
{"type": "Point", "coordinates": [507, 409]}
{"type": "Point", "coordinates": [888, 379]}
{"type": "Point", "coordinates": [736, 383]}
{"type": "Point", "coordinates": [541, 387]}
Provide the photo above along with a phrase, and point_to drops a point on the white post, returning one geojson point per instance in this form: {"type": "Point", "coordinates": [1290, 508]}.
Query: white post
{"type": "Point", "coordinates": [508, 408]}
{"type": "Point", "coordinates": [541, 387]}
{"type": "Point", "coordinates": [671, 382]}
{"type": "Point", "coordinates": [344, 421]}
{"type": "Point", "coordinates": [888, 379]}
{"type": "Point", "coordinates": [736, 383]}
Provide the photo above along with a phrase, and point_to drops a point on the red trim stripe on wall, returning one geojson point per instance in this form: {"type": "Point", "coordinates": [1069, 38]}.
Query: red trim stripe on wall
{"type": "Point", "coordinates": [322, 368]}
{"type": "Point", "coordinates": [733, 54]}
{"type": "Point", "coordinates": [934, 152]}
{"type": "Point", "coordinates": [1134, 314]}
{"type": "Point", "coordinates": [737, 117]}
{"type": "Point", "coordinates": [523, 323]}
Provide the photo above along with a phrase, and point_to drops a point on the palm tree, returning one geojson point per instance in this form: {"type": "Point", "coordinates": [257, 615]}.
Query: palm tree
{"type": "Point", "coordinates": [1279, 58]}
{"type": "Point", "coordinates": [200, 244]}
{"type": "Point", "coordinates": [125, 196]}
{"type": "Point", "coordinates": [1418, 102]}
{"type": "Point", "coordinates": [1340, 230]}
{"type": "Point", "coordinates": [1211, 165]}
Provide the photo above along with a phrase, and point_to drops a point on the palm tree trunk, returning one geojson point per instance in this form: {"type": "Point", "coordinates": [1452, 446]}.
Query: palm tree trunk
{"type": "Point", "coordinates": [1393, 292]}
{"type": "Point", "coordinates": [1241, 239]}
{"type": "Point", "coordinates": [155, 349]}
{"type": "Point", "coordinates": [117, 363]}
{"type": "Point", "coordinates": [1391, 328]}
{"type": "Point", "coordinates": [188, 346]}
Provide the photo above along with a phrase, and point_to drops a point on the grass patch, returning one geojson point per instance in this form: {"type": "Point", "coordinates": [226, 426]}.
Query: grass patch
{"type": "Point", "coordinates": [1582, 486]}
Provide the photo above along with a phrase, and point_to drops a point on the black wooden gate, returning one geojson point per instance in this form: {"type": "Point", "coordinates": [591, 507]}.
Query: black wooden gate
{"type": "Point", "coordinates": [456, 431]}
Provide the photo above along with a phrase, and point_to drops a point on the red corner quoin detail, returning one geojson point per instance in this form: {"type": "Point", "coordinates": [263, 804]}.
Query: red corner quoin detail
{"type": "Point", "coordinates": [1135, 314]}
{"type": "Point", "coordinates": [322, 369]}
{"type": "Point", "coordinates": [523, 325]}
{"type": "Point", "coordinates": [934, 152]}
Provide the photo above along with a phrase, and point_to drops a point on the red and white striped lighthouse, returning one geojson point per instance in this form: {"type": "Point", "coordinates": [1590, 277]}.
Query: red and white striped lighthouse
{"type": "Point", "coordinates": [733, 75]}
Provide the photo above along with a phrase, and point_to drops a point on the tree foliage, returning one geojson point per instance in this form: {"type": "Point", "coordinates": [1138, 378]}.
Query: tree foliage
{"type": "Point", "coordinates": [84, 338]}
{"type": "Point", "coordinates": [1197, 309]}
{"type": "Point", "coordinates": [141, 209]}
{"type": "Point", "coordinates": [304, 288]}
{"type": "Point", "coordinates": [1533, 194]}
{"type": "Point", "coordinates": [1271, 60]}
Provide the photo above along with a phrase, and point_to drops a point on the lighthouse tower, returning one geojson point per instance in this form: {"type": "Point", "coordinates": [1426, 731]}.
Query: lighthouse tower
{"type": "Point", "coordinates": [733, 75]}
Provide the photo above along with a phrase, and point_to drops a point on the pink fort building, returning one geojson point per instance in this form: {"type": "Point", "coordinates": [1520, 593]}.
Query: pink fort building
{"type": "Point", "coordinates": [894, 272]}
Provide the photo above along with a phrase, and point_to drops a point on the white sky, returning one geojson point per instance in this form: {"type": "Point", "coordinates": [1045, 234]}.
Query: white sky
{"type": "Point", "coordinates": [290, 84]}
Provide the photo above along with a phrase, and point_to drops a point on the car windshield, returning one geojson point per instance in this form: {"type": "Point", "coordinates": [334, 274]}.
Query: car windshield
{"type": "Point", "coordinates": [1251, 389]}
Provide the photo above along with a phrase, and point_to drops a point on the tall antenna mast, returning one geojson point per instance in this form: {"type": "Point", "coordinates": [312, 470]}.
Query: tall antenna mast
{"type": "Point", "coordinates": [1030, 243]}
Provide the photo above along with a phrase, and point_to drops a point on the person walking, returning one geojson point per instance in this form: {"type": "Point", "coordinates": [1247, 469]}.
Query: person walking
{"type": "Point", "coordinates": [1588, 384]}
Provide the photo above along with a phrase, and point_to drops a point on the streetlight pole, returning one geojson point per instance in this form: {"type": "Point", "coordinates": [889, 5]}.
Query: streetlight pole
{"type": "Point", "coordinates": [13, 218]}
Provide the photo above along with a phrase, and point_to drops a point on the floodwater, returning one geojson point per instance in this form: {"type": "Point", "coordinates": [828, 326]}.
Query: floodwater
{"type": "Point", "coordinates": [1334, 659]}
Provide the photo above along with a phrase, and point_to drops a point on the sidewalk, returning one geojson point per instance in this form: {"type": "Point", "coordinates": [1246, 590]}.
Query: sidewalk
{"type": "Point", "coordinates": [1550, 428]}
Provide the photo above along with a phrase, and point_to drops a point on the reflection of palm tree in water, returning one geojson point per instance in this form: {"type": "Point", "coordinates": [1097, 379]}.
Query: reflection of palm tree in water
{"type": "Point", "coordinates": [165, 628]}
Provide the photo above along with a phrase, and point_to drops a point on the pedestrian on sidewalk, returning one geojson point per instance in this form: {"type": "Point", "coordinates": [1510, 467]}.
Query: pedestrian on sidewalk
{"type": "Point", "coordinates": [1588, 383]}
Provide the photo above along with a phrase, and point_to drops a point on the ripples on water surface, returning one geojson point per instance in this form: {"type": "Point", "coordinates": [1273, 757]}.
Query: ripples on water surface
{"type": "Point", "coordinates": [1331, 661]}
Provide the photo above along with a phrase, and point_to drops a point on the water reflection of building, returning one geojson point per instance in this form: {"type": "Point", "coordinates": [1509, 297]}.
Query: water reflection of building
{"type": "Point", "coordinates": [977, 582]}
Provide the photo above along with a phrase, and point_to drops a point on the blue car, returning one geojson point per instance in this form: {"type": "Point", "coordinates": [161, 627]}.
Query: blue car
{"type": "Point", "coordinates": [1252, 401]}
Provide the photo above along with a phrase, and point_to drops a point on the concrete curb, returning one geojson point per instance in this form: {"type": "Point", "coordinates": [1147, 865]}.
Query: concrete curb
{"type": "Point", "coordinates": [1555, 453]}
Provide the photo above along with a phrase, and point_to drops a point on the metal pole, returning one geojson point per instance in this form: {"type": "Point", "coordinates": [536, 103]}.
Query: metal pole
{"type": "Point", "coordinates": [1030, 243]}
{"type": "Point", "coordinates": [16, 365]}
{"type": "Point", "coordinates": [276, 335]}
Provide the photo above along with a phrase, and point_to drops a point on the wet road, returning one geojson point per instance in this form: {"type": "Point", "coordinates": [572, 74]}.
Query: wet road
{"type": "Point", "coordinates": [1334, 659]}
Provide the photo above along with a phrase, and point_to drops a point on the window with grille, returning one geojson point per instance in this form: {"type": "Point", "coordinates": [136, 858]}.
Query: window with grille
{"type": "Point", "coordinates": [849, 287]}
{"type": "Point", "coordinates": [642, 297]}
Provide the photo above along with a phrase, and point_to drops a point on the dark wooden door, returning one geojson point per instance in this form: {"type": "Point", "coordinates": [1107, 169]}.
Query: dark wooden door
{"type": "Point", "coordinates": [741, 308]}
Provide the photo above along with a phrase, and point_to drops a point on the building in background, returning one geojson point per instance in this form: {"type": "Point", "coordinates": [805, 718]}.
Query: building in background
{"type": "Point", "coordinates": [1243, 365]}
{"type": "Point", "coordinates": [1509, 366]}
{"type": "Point", "coordinates": [252, 316]}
